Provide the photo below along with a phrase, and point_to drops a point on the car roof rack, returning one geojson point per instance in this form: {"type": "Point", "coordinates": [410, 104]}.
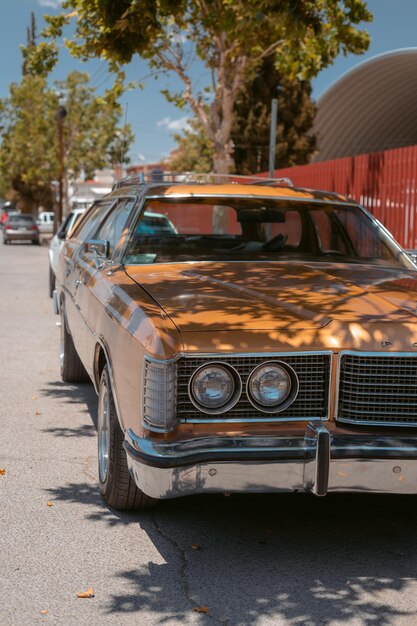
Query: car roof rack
{"type": "Point", "coordinates": [159, 176]}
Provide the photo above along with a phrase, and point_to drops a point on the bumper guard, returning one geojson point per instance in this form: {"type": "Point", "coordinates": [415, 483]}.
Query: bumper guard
{"type": "Point", "coordinates": [318, 462]}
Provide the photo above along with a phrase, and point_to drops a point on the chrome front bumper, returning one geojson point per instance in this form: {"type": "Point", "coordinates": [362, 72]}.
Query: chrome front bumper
{"type": "Point", "coordinates": [317, 462]}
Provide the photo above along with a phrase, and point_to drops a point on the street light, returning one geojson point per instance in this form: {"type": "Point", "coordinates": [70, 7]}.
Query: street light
{"type": "Point", "coordinates": [60, 116]}
{"type": "Point", "coordinates": [273, 136]}
{"type": "Point", "coordinates": [273, 133]}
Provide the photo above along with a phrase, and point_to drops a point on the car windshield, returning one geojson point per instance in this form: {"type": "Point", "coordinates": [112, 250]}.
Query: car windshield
{"type": "Point", "coordinates": [26, 219]}
{"type": "Point", "coordinates": [245, 229]}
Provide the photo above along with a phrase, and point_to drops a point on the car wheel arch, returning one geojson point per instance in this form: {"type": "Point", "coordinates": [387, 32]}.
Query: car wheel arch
{"type": "Point", "coordinates": [102, 358]}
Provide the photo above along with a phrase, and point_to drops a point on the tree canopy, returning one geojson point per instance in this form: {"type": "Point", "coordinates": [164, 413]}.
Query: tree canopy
{"type": "Point", "coordinates": [295, 142]}
{"type": "Point", "coordinates": [29, 148]}
{"type": "Point", "coordinates": [230, 37]}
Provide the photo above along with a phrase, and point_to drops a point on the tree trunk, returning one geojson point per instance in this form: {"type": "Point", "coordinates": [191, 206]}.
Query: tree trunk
{"type": "Point", "coordinates": [222, 162]}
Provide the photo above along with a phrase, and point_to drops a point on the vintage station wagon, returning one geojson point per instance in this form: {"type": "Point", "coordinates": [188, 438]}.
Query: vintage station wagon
{"type": "Point", "coordinates": [241, 338]}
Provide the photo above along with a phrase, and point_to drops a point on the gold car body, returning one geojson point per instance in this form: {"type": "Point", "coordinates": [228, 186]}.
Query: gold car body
{"type": "Point", "coordinates": [128, 315]}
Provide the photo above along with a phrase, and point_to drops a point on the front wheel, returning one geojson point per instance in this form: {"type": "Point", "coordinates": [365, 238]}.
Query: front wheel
{"type": "Point", "coordinates": [116, 484]}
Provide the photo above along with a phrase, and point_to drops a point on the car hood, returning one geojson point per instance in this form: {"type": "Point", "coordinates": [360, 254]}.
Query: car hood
{"type": "Point", "coordinates": [268, 295]}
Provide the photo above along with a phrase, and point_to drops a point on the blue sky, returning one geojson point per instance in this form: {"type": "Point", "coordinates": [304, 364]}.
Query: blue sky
{"type": "Point", "coordinates": [152, 118]}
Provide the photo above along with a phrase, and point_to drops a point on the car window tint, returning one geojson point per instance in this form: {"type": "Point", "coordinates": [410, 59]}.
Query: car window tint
{"type": "Point", "coordinates": [92, 219]}
{"type": "Point", "coordinates": [22, 218]}
{"type": "Point", "coordinates": [64, 226]}
{"type": "Point", "coordinates": [74, 221]}
{"type": "Point", "coordinates": [291, 229]}
{"type": "Point", "coordinates": [112, 228]}
{"type": "Point", "coordinates": [329, 232]}
{"type": "Point", "coordinates": [152, 223]}
{"type": "Point", "coordinates": [226, 228]}
{"type": "Point", "coordinates": [192, 218]}
{"type": "Point", "coordinates": [361, 234]}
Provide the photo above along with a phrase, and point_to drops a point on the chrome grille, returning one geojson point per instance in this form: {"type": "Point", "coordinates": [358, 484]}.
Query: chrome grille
{"type": "Point", "coordinates": [379, 390]}
{"type": "Point", "coordinates": [313, 371]}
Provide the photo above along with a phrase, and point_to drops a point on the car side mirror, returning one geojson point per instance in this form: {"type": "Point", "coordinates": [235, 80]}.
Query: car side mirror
{"type": "Point", "coordinates": [99, 248]}
{"type": "Point", "coordinates": [61, 234]}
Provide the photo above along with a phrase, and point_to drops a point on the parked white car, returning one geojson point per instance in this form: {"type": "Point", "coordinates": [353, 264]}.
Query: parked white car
{"type": "Point", "coordinates": [57, 242]}
{"type": "Point", "coordinates": [45, 222]}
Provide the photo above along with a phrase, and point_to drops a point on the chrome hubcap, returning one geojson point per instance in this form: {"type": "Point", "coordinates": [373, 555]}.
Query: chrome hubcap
{"type": "Point", "coordinates": [103, 427]}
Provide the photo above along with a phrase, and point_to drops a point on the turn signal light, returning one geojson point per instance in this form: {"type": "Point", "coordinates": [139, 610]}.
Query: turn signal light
{"type": "Point", "coordinates": [159, 402]}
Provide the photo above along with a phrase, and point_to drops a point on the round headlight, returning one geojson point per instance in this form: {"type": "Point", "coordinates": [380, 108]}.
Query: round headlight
{"type": "Point", "coordinates": [272, 386]}
{"type": "Point", "coordinates": [215, 388]}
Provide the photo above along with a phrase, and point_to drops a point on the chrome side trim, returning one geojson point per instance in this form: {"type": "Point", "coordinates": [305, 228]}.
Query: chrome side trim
{"type": "Point", "coordinates": [270, 418]}
{"type": "Point", "coordinates": [220, 355]}
{"type": "Point", "coordinates": [55, 301]}
{"type": "Point", "coordinates": [201, 194]}
{"type": "Point", "coordinates": [386, 354]}
{"type": "Point", "coordinates": [100, 340]}
{"type": "Point", "coordinates": [387, 235]}
{"type": "Point", "coordinates": [376, 423]}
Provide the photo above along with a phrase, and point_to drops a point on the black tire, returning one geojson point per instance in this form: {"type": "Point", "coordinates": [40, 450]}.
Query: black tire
{"type": "Point", "coordinates": [35, 242]}
{"type": "Point", "coordinates": [51, 282]}
{"type": "Point", "coordinates": [5, 241]}
{"type": "Point", "coordinates": [115, 482]}
{"type": "Point", "coordinates": [72, 369]}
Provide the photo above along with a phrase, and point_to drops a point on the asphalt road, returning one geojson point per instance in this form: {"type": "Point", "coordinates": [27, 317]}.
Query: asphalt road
{"type": "Point", "coordinates": [262, 561]}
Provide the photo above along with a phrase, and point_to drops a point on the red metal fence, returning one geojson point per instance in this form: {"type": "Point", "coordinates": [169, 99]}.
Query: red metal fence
{"type": "Point", "coordinates": [383, 182]}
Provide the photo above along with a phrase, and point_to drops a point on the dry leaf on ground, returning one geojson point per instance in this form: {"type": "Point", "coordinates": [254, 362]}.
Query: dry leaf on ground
{"type": "Point", "coordinates": [45, 612]}
{"type": "Point", "coordinates": [86, 594]}
{"type": "Point", "coordinates": [195, 546]}
{"type": "Point", "coordinates": [2, 472]}
{"type": "Point", "coordinates": [50, 504]}
{"type": "Point", "coordinates": [34, 397]}
{"type": "Point", "coordinates": [201, 609]}
{"type": "Point", "coordinates": [38, 413]}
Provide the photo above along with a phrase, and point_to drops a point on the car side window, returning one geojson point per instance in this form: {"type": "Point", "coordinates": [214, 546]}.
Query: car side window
{"type": "Point", "coordinates": [92, 219]}
{"type": "Point", "coordinates": [112, 228]}
{"type": "Point", "coordinates": [64, 226]}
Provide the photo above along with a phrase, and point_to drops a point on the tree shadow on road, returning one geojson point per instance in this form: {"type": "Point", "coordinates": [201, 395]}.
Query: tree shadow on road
{"type": "Point", "coordinates": [84, 396]}
{"type": "Point", "coordinates": [258, 559]}
{"type": "Point", "coordinates": [267, 559]}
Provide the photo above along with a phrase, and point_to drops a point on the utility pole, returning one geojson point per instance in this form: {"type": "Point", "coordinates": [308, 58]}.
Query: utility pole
{"type": "Point", "coordinates": [60, 116]}
{"type": "Point", "coordinates": [273, 136]}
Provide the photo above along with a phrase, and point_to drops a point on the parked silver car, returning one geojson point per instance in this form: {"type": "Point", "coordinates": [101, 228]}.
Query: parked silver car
{"type": "Point", "coordinates": [57, 242]}
{"type": "Point", "coordinates": [20, 227]}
